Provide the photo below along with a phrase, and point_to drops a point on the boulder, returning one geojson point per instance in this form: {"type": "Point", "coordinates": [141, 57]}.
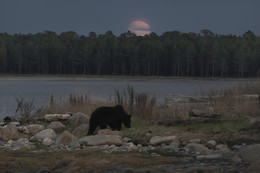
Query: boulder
{"type": "Point", "coordinates": [157, 140]}
{"type": "Point", "coordinates": [78, 118]}
{"type": "Point", "coordinates": [65, 138]}
{"type": "Point", "coordinates": [47, 141]}
{"type": "Point", "coordinates": [251, 153]}
{"type": "Point", "coordinates": [34, 128]}
{"type": "Point", "coordinates": [54, 117]}
{"type": "Point", "coordinates": [197, 148]}
{"type": "Point", "coordinates": [81, 130]}
{"type": "Point", "coordinates": [101, 140]}
{"type": "Point", "coordinates": [254, 167]}
{"type": "Point", "coordinates": [9, 131]}
{"type": "Point", "coordinates": [224, 151]}
{"type": "Point", "coordinates": [47, 133]}
{"type": "Point", "coordinates": [110, 132]}
{"type": "Point", "coordinates": [57, 126]}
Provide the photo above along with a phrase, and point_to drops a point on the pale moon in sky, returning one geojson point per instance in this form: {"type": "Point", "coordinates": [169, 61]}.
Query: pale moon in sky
{"type": "Point", "coordinates": [140, 28]}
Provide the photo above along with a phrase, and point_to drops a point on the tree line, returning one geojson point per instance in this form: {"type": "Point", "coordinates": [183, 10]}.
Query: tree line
{"type": "Point", "coordinates": [203, 54]}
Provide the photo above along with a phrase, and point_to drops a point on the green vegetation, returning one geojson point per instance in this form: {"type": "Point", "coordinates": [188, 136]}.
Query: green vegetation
{"type": "Point", "coordinates": [171, 54]}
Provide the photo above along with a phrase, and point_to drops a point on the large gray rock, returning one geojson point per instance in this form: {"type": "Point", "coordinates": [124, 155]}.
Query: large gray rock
{"type": "Point", "coordinates": [254, 167]}
{"type": "Point", "coordinates": [101, 140]}
{"type": "Point", "coordinates": [157, 140]}
{"type": "Point", "coordinates": [34, 128]}
{"type": "Point", "coordinates": [65, 138]}
{"type": "Point", "coordinates": [197, 148]}
{"type": "Point", "coordinates": [251, 153]}
{"type": "Point", "coordinates": [57, 126]}
{"type": "Point", "coordinates": [47, 133]}
{"type": "Point", "coordinates": [81, 130]}
{"type": "Point", "coordinates": [9, 131]}
{"type": "Point", "coordinates": [78, 118]}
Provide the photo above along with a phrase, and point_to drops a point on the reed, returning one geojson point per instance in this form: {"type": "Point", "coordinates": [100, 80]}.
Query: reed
{"type": "Point", "coordinates": [241, 101]}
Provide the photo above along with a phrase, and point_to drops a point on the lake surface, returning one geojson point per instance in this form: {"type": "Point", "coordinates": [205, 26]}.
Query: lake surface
{"type": "Point", "coordinates": [41, 89]}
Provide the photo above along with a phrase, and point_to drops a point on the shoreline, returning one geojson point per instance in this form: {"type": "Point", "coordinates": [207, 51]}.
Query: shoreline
{"type": "Point", "coordinates": [114, 77]}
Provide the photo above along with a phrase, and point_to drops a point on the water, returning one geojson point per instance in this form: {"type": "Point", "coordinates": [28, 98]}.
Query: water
{"type": "Point", "coordinates": [41, 89]}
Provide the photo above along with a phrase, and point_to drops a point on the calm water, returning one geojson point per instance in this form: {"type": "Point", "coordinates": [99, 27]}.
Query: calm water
{"type": "Point", "coordinates": [40, 89]}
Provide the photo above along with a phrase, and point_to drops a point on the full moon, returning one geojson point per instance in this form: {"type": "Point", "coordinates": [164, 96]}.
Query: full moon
{"type": "Point", "coordinates": [139, 27]}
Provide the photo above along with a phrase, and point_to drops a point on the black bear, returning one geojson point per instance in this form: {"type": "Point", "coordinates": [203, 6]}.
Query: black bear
{"type": "Point", "coordinates": [109, 116]}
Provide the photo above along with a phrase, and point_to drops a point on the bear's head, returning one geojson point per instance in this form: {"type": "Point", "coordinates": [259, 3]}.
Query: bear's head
{"type": "Point", "coordinates": [125, 116]}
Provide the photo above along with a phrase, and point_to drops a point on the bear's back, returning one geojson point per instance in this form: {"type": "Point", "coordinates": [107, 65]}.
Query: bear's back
{"type": "Point", "coordinates": [107, 112]}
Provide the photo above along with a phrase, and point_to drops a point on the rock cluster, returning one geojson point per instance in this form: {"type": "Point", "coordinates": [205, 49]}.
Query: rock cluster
{"type": "Point", "coordinates": [56, 136]}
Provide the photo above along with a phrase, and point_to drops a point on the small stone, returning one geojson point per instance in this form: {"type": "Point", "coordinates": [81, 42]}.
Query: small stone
{"type": "Point", "coordinates": [236, 159]}
{"type": "Point", "coordinates": [174, 146]}
{"type": "Point", "coordinates": [126, 139]}
{"type": "Point", "coordinates": [74, 145]}
{"type": "Point", "coordinates": [212, 142]}
{"type": "Point", "coordinates": [221, 146]}
{"type": "Point", "coordinates": [254, 121]}
{"type": "Point", "coordinates": [148, 134]}
{"type": "Point", "coordinates": [211, 156]}
{"type": "Point", "coordinates": [132, 147]}
{"type": "Point", "coordinates": [10, 141]}
{"type": "Point", "coordinates": [157, 140]}
{"type": "Point", "coordinates": [195, 141]}
{"type": "Point", "coordinates": [139, 146]}
{"type": "Point", "coordinates": [194, 147]}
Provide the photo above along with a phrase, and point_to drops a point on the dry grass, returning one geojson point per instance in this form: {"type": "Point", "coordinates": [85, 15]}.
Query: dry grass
{"type": "Point", "coordinates": [75, 103]}
{"type": "Point", "coordinates": [233, 103]}
{"type": "Point", "coordinates": [241, 101]}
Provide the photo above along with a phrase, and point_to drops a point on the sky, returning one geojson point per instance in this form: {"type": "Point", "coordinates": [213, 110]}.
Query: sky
{"type": "Point", "coordinates": [84, 16]}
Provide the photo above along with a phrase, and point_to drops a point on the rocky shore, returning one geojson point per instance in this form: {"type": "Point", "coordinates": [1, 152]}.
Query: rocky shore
{"type": "Point", "coordinates": [66, 133]}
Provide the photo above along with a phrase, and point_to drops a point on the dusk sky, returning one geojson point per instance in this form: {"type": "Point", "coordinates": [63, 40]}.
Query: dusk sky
{"type": "Point", "coordinates": [83, 16]}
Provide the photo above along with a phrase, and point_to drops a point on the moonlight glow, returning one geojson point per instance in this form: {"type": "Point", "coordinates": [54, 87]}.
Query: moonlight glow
{"type": "Point", "coordinates": [140, 28]}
